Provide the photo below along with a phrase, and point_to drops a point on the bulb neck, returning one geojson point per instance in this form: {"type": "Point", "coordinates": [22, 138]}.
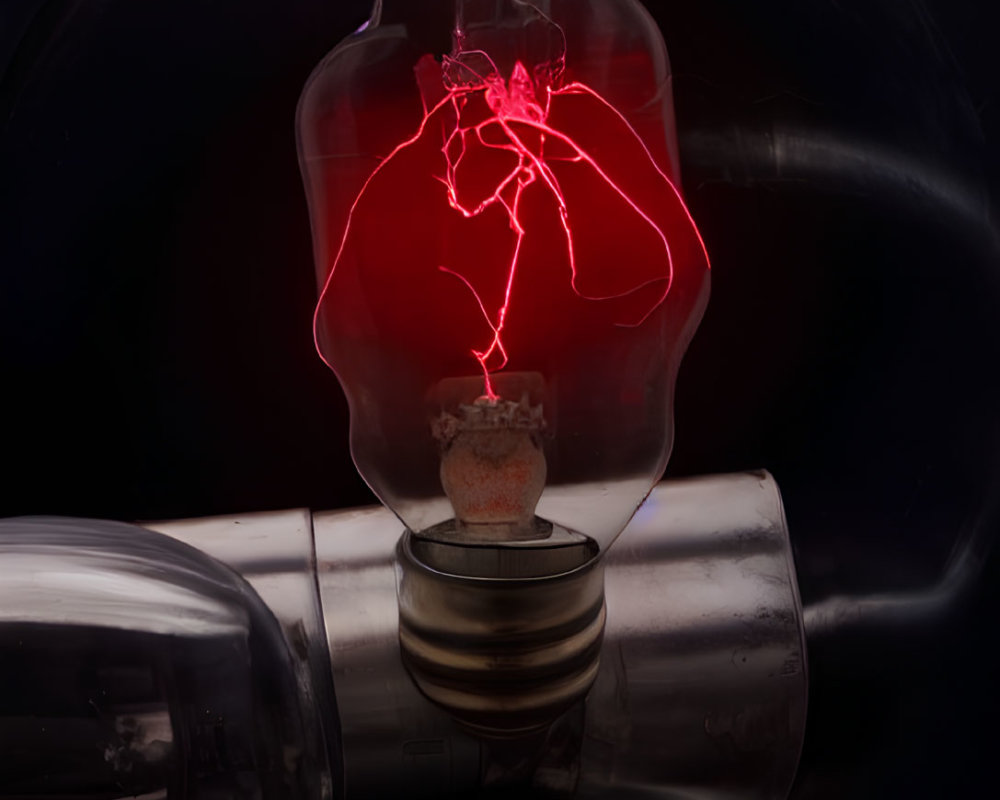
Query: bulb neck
{"type": "Point", "coordinates": [427, 24]}
{"type": "Point", "coordinates": [506, 638]}
{"type": "Point", "coordinates": [459, 13]}
{"type": "Point", "coordinates": [505, 31]}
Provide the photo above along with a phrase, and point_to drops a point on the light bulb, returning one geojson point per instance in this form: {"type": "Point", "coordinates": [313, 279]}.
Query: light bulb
{"type": "Point", "coordinates": [502, 221]}
{"type": "Point", "coordinates": [508, 273]}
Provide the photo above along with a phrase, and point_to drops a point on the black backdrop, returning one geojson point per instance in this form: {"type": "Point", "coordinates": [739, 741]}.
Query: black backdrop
{"type": "Point", "coordinates": [156, 289]}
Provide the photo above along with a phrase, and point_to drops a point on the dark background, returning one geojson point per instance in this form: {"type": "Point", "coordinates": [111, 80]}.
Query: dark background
{"type": "Point", "coordinates": [156, 289]}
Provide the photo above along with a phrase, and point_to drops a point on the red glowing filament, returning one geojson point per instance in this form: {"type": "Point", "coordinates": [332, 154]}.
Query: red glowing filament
{"type": "Point", "coordinates": [498, 141]}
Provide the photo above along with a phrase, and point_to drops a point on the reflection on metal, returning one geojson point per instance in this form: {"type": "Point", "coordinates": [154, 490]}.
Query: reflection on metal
{"type": "Point", "coordinates": [395, 742]}
{"type": "Point", "coordinates": [701, 689]}
{"type": "Point", "coordinates": [62, 572]}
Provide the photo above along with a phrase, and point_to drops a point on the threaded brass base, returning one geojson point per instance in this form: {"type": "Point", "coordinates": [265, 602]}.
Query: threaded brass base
{"type": "Point", "coordinates": [502, 647]}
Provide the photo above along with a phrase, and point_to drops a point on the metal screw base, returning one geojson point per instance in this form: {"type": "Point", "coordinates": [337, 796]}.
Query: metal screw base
{"type": "Point", "coordinates": [502, 652]}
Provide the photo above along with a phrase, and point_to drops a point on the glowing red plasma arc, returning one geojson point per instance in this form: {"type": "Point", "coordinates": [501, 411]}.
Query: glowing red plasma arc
{"type": "Point", "coordinates": [517, 123]}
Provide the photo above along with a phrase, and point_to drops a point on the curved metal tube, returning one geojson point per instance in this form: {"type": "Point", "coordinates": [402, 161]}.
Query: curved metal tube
{"type": "Point", "coordinates": [701, 689]}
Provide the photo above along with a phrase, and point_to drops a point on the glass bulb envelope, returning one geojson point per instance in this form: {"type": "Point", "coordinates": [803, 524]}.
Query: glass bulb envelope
{"type": "Point", "coordinates": [508, 273]}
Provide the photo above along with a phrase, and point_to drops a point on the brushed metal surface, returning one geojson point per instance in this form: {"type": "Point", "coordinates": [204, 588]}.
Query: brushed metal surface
{"type": "Point", "coordinates": [701, 691]}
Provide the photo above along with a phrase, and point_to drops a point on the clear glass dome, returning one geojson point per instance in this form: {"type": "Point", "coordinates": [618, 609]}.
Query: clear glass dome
{"type": "Point", "coordinates": [508, 274]}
